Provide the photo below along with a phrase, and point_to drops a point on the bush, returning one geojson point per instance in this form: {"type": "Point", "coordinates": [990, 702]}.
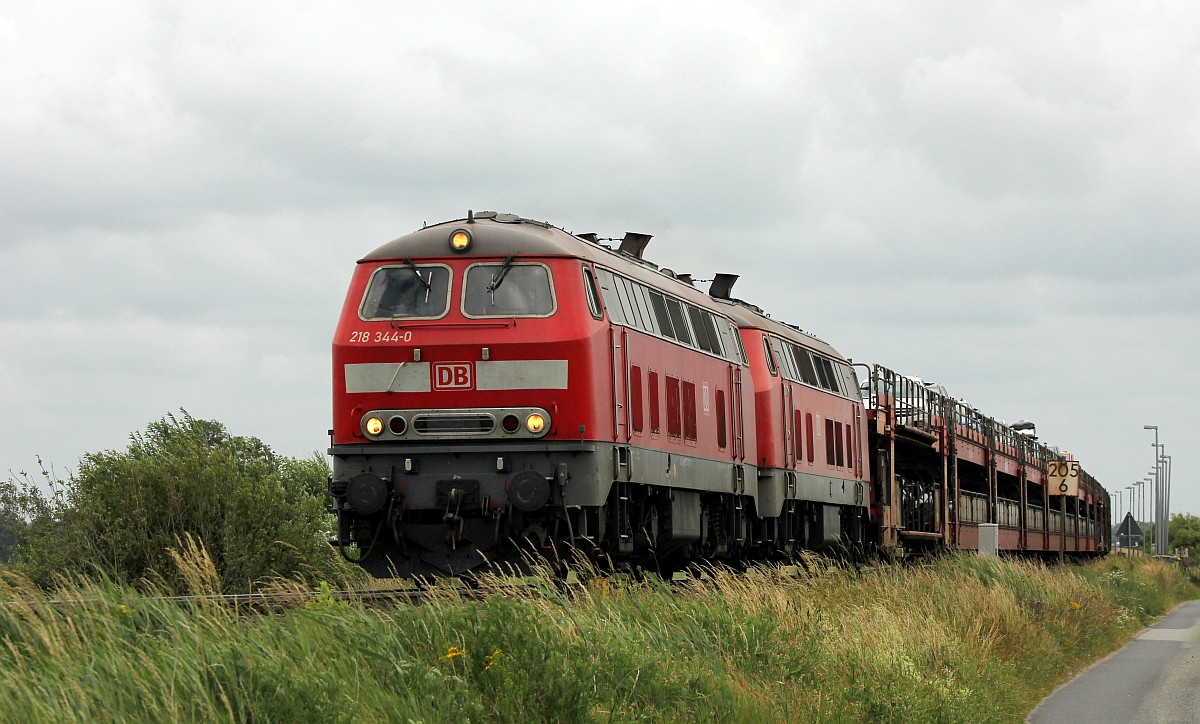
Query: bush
{"type": "Point", "coordinates": [122, 514]}
{"type": "Point", "coordinates": [1184, 532]}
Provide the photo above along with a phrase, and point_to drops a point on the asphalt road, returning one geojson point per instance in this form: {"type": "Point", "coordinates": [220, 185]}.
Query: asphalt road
{"type": "Point", "coordinates": [1155, 678]}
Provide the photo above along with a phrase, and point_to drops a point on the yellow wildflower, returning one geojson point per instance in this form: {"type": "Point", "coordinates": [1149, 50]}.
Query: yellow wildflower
{"type": "Point", "coordinates": [452, 653]}
{"type": "Point", "coordinates": [492, 659]}
{"type": "Point", "coordinates": [1074, 606]}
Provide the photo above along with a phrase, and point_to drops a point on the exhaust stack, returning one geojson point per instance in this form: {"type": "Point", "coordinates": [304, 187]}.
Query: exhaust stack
{"type": "Point", "coordinates": [722, 285]}
{"type": "Point", "coordinates": [634, 244]}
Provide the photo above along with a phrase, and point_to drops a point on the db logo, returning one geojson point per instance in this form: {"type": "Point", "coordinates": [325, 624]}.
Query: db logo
{"type": "Point", "coordinates": [452, 376]}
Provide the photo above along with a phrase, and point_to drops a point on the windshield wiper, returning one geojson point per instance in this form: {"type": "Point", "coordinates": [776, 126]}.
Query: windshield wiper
{"type": "Point", "coordinates": [498, 278]}
{"type": "Point", "coordinates": [417, 273]}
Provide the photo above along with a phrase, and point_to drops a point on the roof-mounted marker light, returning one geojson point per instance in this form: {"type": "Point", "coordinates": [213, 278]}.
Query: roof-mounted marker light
{"type": "Point", "coordinates": [460, 241]}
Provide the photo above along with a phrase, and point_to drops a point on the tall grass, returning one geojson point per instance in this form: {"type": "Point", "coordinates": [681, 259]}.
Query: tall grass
{"type": "Point", "coordinates": [964, 639]}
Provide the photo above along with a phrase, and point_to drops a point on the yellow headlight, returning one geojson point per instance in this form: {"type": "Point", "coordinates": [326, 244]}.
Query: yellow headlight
{"type": "Point", "coordinates": [535, 422]}
{"type": "Point", "coordinates": [374, 426]}
{"type": "Point", "coordinates": [460, 240]}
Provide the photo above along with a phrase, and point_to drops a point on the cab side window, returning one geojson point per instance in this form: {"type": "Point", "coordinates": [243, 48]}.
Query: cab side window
{"type": "Point", "coordinates": [593, 294]}
{"type": "Point", "coordinates": [770, 356]}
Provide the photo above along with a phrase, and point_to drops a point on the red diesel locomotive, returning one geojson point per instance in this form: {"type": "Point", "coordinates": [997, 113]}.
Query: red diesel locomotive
{"type": "Point", "coordinates": [502, 389]}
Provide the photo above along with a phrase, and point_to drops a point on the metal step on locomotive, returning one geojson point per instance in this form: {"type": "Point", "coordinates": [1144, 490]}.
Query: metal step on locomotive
{"type": "Point", "coordinates": [504, 390]}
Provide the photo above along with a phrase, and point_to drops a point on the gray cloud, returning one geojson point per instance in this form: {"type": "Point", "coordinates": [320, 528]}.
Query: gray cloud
{"type": "Point", "coordinates": [951, 189]}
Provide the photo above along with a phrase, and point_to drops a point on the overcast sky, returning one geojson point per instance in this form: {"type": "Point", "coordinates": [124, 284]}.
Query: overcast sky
{"type": "Point", "coordinates": [1002, 197]}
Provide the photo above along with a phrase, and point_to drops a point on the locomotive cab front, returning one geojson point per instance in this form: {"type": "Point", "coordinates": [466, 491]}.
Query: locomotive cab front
{"type": "Point", "coordinates": [464, 384]}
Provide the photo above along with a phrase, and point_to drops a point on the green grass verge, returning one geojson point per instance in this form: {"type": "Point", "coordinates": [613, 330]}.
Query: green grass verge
{"type": "Point", "coordinates": [963, 639]}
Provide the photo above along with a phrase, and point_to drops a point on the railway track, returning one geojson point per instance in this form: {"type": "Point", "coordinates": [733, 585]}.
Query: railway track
{"type": "Point", "coordinates": [402, 592]}
{"type": "Point", "coordinates": [273, 600]}
{"type": "Point", "coordinates": [382, 596]}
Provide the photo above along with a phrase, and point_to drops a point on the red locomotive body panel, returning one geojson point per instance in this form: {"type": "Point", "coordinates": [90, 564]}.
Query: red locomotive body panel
{"type": "Point", "coordinates": [792, 442]}
{"type": "Point", "coordinates": [671, 397]}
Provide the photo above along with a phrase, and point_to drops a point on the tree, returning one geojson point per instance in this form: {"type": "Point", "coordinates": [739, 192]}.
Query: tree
{"type": "Point", "coordinates": [9, 525]}
{"type": "Point", "coordinates": [1184, 532]}
{"type": "Point", "coordinates": [258, 514]}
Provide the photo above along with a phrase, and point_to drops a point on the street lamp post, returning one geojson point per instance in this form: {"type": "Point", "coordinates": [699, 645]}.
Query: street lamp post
{"type": "Point", "coordinates": [1166, 461]}
{"type": "Point", "coordinates": [1137, 509]}
{"type": "Point", "coordinates": [1151, 501]}
{"type": "Point", "coordinates": [1151, 504]}
{"type": "Point", "coordinates": [1158, 496]}
{"type": "Point", "coordinates": [1148, 505]}
{"type": "Point", "coordinates": [1130, 511]}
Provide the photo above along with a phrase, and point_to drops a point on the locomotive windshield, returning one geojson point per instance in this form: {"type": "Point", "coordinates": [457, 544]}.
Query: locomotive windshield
{"type": "Point", "coordinates": [408, 291]}
{"type": "Point", "coordinates": [508, 290]}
